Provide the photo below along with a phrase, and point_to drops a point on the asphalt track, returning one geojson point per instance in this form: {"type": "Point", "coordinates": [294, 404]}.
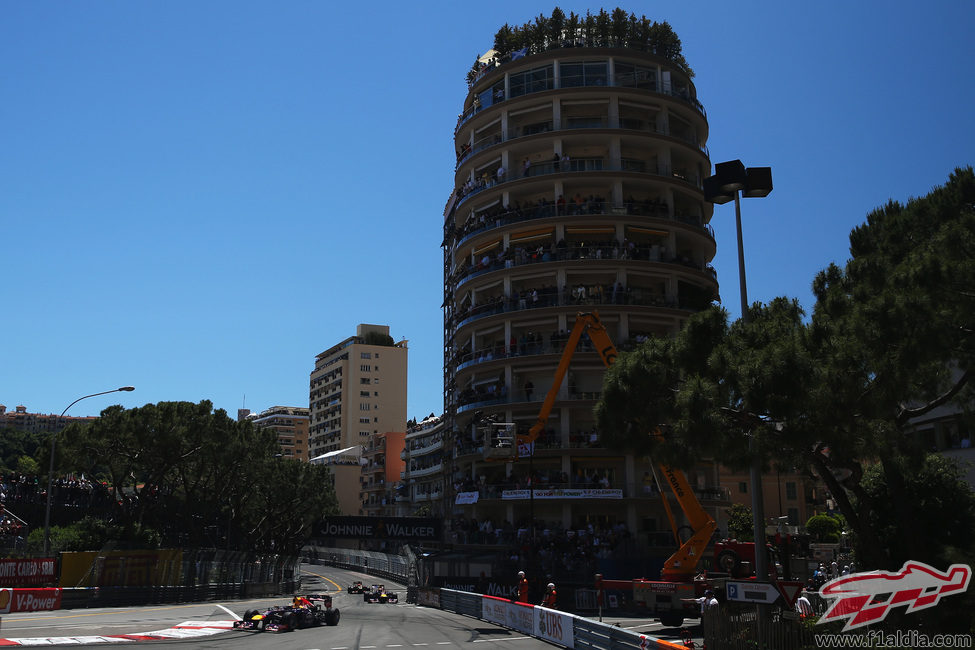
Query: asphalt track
{"type": "Point", "coordinates": [207, 625]}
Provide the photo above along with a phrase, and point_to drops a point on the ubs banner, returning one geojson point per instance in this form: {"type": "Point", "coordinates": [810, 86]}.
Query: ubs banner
{"type": "Point", "coordinates": [421, 529]}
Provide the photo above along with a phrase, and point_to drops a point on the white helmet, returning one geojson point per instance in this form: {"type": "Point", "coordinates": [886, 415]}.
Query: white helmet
{"type": "Point", "coordinates": [521, 573]}
{"type": "Point", "coordinates": [551, 585]}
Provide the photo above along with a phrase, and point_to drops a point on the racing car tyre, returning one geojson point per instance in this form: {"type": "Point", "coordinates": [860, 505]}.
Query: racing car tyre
{"type": "Point", "coordinates": [291, 620]}
{"type": "Point", "coordinates": [332, 617]}
{"type": "Point", "coordinates": [249, 614]}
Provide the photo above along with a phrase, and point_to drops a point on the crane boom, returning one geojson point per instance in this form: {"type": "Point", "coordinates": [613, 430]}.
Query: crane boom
{"type": "Point", "coordinates": [682, 564]}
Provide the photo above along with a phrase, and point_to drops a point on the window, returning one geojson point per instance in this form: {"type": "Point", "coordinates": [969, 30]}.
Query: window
{"type": "Point", "coordinates": [743, 487]}
{"type": "Point", "coordinates": [375, 394]}
{"type": "Point", "coordinates": [572, 75]}
{"type": "Point", "coordinates": [365, 355]}
{"type": "Point", "coordinates": [375, 380]}
{"type": "Point", "coordinates": [363, 393]}
{"type": "Point", "coordinates": [531, 81]}
{"type": "Point", "coordinates": [365, 368]}
{"type": "Point", "coordinates": [793, 516]}
{"type": "Point", "coordinates": [632, 76]}
{"type": "Point", "coordinates": [364, 420]}
{"type": "Point", "coordinates": [790, 491]}
{"type": "Point", "coordinates": [364, 380]}
{"type": "Point", "coordinates": [364, 406]}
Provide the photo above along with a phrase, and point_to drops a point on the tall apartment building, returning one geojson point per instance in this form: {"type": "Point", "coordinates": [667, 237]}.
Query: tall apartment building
{"type": "Point", "coordinates": [289, 422]}
{"type": "Point", "coordinates": [578, 187]}
{"type": "Point", "coordinates": [357, 390]}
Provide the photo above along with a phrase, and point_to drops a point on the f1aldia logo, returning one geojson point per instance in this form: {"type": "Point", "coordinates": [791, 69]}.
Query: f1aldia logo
{"type": "Point", "coordinates": [866, 598]}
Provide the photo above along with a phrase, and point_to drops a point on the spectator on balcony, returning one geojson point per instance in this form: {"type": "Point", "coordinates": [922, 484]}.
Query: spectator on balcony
{"type": "Point", "coordinates": [529, 390]}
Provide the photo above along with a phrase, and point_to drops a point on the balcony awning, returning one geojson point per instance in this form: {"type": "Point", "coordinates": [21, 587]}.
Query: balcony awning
{"type": "Point", "coordinates": [531, 235]}
{"type": "Point", "coordinates": [487, 247]}
{"type": "Point", "coordinates": [340, 456]}
{"type": "Point", "coordinates": [647, 231]}
{"type": "Point", "coordinates": [590, 230]}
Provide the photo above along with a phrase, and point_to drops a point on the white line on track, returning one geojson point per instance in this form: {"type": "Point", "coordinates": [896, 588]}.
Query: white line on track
{"type": "Point", "coordinates": [229, 612]}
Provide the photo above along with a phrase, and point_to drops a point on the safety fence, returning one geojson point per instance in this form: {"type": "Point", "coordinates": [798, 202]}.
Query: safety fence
{"type": "Point", "coordinates": [738, 630]}
{"type": "Point", "coordinates": [567, 630]}
{"type": "Point", "coordinates": [384, 565]}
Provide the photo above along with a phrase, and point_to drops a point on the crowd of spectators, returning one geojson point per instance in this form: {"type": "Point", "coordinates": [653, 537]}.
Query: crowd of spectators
{"type": "Point", "coordinates": [23, 489]}
{"type": "Point", "coordinates": [550, 547]}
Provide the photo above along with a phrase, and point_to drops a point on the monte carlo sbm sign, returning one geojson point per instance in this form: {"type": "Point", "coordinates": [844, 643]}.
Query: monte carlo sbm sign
{"type": "Point", "coordinates": [392, 528]}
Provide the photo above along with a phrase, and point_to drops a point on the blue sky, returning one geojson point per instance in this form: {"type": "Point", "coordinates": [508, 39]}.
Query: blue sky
{"type": "Point", "coordinates": [196, 198]}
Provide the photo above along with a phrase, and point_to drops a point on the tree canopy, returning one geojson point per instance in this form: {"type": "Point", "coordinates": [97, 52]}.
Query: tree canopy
{"type": "Point", "coordinates": [197, 478]}
{"type": "Point", "coordinates": [604, 29]}
{"type": "Point", "coordinates": [890, 339]}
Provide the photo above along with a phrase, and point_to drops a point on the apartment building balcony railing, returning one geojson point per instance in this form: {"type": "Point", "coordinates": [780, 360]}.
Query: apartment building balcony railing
{"type": "Point", "coordinates": [517, 132]}
{"type": "Point", "coordinates": [599, 208]}
{"type": "Point", "coordinates": [586, 490]}
{"type": "Point", "coordinates": [579, 165]}
{"type": "Point", "coordinates": [421, 451]}
{"type": "Point", "coordinates": [603, 252]}
{"type": "Point", "coordinates": [480, 401]}
{"type": "Point", "coordinates": [669, 91]}
{"type": "Point", "coordinates": [566, 299]}
{"type": "Point", "coordinates": [424, 471]}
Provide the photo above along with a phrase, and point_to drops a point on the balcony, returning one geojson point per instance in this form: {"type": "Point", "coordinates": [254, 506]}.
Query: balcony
{"type": "Point", "coordinates": [585, 253]}
{"type": "Point", "coordinates": [425, 471]}
{"type": "Point", "coordinates": [651, 88]}
{"type": "Point", "coordinates": [517, 132]}
{"type": "Point", "coordinates": [576, 166]}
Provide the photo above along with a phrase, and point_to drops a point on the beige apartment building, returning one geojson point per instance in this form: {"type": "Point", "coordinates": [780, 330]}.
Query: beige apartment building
{"type": "Point", "coordinates": [356, 391]}
{"type": "Point", "coordinates": [290, 423]}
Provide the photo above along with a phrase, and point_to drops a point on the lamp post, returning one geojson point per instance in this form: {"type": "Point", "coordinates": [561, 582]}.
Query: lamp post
{"type": "Point", "coordinates": [50, 471]}
{"type": "Point", "coordinates": [728, 180]}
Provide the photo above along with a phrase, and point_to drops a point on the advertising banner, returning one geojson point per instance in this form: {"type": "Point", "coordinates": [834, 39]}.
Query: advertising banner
{"type": "Point", "coordinates": [466, 497]}
{"type": "Point", "coordinates": [521, 617]}
{"type": "Point", "coordinates": [554, 626]}
{"type": "Point", "coordinates": [567, 493]}
{"type": "Point", "coordinates": [19, 572]}
{"type": "Point", "coordinates": [29, 600]}
{"type": "Point", "coordinates": [495, 610]}
{"type": "Point", "coordinates": [400, 528]}
{"type": "Point", "coordinates": [121, 568]}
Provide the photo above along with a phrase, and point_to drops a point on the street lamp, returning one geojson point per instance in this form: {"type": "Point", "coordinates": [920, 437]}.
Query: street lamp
{"type": "Point", "coordinates": [730, 178]}
{"type": "Point", "coordinates": [50, 471]}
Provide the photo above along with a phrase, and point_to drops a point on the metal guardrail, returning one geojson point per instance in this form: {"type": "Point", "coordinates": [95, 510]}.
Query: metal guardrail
{"type": "Point", "coordinates": [586, 633]}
